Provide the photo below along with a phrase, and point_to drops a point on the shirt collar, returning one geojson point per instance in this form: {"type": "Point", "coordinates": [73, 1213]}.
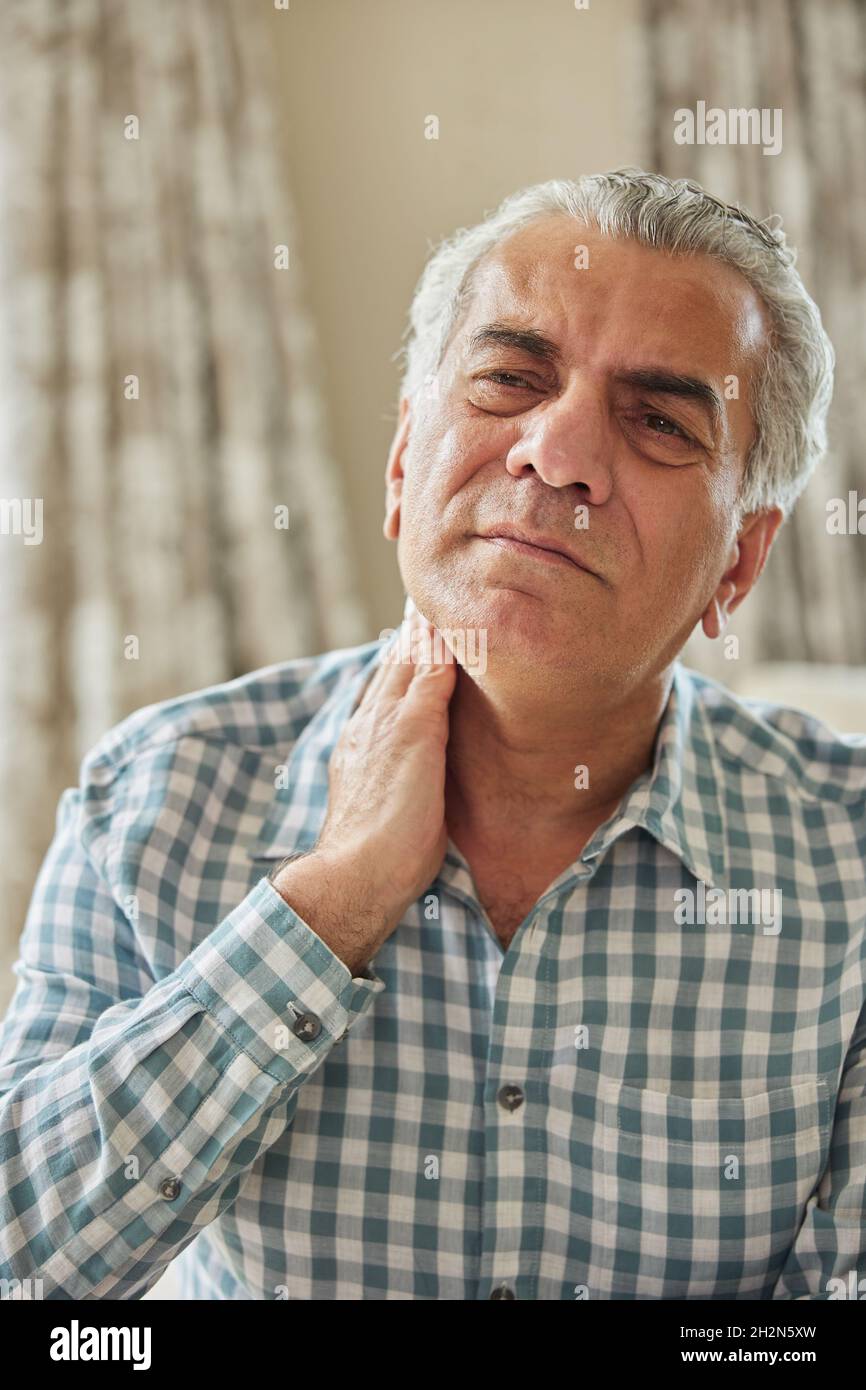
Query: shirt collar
{"type": "Point", "coordinates": [678, 800]}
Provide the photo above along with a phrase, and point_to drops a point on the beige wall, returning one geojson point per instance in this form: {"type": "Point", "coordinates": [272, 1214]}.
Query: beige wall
{"type": "Point", "coordinates": [523, 92]}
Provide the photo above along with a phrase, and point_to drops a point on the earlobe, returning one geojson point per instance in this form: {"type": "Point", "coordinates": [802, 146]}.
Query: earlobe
{"type": "Point", "coordinates": [711, 620]}
{"type": "Point", "coordinates": [715, 617]}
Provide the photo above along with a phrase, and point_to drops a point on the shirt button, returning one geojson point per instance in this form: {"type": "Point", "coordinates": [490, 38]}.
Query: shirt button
{"type": "Point", "coordinates": [510, 1097]}
{"type": "Point", "coordinates": [502, 1291]}
{"type": "Point", "coordinates": [169, 1188]}
{"type": "Point", "coordinates": [306, 1027]}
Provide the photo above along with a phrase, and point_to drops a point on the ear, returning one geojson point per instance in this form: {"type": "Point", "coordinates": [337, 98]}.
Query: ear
{"type": "Point", "coordinates": [394, 472]}
{"type": "Point", "coordinates": [746, 561]}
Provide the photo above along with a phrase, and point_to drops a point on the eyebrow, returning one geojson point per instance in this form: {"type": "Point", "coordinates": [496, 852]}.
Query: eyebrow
{"type": "Point", "coordinates": [655, 379]}
{"type": "Point", "coordinates": [523, 339]}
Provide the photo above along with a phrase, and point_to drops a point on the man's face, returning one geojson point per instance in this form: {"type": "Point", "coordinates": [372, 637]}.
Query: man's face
{"type": "Point", "coordinates": [591, 428]}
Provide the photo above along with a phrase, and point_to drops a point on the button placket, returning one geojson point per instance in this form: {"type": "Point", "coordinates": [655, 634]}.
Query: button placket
{"type": "Point", "coordinates": [508, 1159]}
{"type": "Point", "coordinates": [510, 1097]}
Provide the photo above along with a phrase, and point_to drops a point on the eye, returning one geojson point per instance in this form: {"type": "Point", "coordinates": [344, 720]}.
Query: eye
{"type": "Point", "coordinates": [662, 424]}
{"type": "Point", "coordinates": [501, 392]}
{"type": "Point", "coordinates": [506, 379]}
{"type": "Point", "coordinates": [658, 437]}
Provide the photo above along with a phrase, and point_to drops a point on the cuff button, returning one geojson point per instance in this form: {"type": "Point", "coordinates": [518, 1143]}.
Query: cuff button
{"type": "Point", "coordinates": [307, 1027]}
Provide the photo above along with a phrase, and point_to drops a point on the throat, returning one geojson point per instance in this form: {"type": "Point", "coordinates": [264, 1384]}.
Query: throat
{"type": "Point", "coordinates": [505, 918]}
{"type": "Point", "coordinates": [508, 885]}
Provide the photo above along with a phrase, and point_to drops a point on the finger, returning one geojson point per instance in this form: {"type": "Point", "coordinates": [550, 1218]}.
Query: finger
{"type": "Point", "coordinates": [433, 683]}
{"type": "Point", "coordinates": [415, 648]}
{"type": "Point", "coordinates": [397, 656]}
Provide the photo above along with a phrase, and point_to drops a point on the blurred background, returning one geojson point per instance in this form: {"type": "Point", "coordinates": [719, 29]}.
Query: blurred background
{"type": "Point", "coordinates": [212, 218]}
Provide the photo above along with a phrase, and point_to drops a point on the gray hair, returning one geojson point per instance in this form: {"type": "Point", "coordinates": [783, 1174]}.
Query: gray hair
{"type": "Point", "coordinates": [792, 395]}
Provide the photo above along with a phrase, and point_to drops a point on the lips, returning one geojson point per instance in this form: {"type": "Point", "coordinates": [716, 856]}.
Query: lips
{"type": "Point", "coordinates": [534, 544]}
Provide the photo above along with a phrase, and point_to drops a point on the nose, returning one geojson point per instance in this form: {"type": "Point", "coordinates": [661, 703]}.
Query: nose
{"type": "Point", "coordinates": [568, 440]}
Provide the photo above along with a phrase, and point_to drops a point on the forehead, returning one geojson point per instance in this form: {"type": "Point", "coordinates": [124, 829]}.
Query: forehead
{"type": "Point", "coordinates": [628, 303]}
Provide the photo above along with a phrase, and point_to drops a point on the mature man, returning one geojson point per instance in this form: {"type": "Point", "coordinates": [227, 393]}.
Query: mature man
{"type": "Point", "coordinates": [420, 979]}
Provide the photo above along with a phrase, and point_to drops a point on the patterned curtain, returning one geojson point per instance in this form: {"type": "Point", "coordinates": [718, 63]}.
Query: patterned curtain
{"type": "Point", "coordinates": [809, 60]}
{"type": "Point", "coordinates": [158, 398]}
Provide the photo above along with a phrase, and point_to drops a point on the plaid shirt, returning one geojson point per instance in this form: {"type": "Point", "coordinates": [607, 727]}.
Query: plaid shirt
{"type": "Point", "coordinates": [622, 1105]}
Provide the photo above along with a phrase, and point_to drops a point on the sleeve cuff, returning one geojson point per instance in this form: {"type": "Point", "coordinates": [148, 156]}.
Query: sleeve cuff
{"type": "Point", "coordinates": [261, 969]}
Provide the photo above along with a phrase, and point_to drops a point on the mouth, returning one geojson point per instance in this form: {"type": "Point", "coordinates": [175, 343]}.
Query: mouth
{"type": "Point", "coordinates": [544, 549]}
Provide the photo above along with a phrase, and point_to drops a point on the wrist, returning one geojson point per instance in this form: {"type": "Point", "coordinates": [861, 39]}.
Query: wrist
{"type": "Point", "coordinates": [329, 895]}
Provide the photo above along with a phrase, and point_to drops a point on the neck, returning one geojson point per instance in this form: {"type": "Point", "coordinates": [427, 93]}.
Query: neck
{"type": "Point", "coordinates": [512, 756]}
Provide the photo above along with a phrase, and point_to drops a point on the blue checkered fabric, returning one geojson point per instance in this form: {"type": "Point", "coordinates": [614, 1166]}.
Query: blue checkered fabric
{"type": "Point", "coordinates": [625, 1104]}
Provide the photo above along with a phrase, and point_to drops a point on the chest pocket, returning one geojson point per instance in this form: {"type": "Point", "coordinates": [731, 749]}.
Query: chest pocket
{"type": "Point", "coordinates": [703, 1198]}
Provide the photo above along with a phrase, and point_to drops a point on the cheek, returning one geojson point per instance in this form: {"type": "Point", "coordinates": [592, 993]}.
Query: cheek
{"type": "Point", "coordinates": [441, 458]}
{"type": "Point", "coordinates": [679, 535]}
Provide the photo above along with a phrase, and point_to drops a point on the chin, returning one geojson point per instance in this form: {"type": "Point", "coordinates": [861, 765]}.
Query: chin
{"type": "Point", "coordinates": [525, 620]}
{"type": "Point", "coordinates": [525, 627]}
